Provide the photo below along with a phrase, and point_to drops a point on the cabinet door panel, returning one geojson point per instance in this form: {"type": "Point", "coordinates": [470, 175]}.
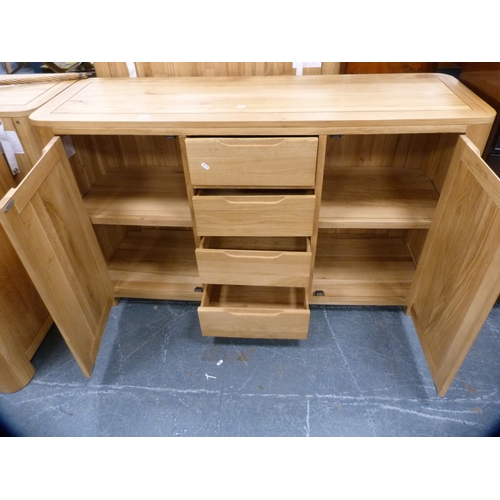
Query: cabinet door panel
{"type": "Point", "coordinates": [45, 220]}
{"type": "Point", "coordinates": [458, 276]}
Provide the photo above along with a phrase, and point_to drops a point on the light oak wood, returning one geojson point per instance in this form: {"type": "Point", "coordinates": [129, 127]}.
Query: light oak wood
{"type": "Point", "coordinates": [254, 312]}
{"type": "Point", "coordinates": [15, 368]}
{"type": "Point", "coordinates": [252, 162]}
{"type": "Point", "coordinates": [24, 315]}
{"type": "Point", "coordinates": [21, 100]}
{"type": "Point", "coordinates": [308, 105]}
{"type": "Point", "coordinates": [66, 267]}
{"type": "Point", "coordinates": [156, 263]}
{"type": "Point", "coordinates": [254, 214]}
{"type": "Point", "coordinates": [24, 318]}
{"type": "Point", "coordinates": [255, 261]}
{"type": "Point", "coordinates": [376, 198]}
{"type": "Point", "coordinates": [318, 192]}
{"type": "Point", "coordinates": [95, 155]}
{"type": "Point", "coordinates": [139, 196]}
{"type": "Point", "coordinates": [458, 277]}
{"type": "Point", "coordinates": [364, 270]}
{"type": "Point", "coordinates": [189, 186]}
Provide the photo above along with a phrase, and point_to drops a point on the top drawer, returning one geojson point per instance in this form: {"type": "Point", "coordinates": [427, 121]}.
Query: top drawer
{"type": "Point", "coordinates": [252, 162]}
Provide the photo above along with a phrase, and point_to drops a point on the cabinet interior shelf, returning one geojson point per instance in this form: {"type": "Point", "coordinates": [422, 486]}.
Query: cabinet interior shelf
{"type": "Point", "coordinates": [139, 196]}
{"type": "Point", "coordinates": [362, 271]}
{"type": "Point", "coordinates": [377, 198]}
{"type": "Point", "coordinates": [155, 263]}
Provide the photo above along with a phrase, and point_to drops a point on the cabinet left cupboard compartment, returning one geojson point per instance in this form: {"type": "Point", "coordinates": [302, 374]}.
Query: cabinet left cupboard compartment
{"type": "Point", "coordinates": [24, 318]}
{"type": "Point", "coordinates": [134, 193]}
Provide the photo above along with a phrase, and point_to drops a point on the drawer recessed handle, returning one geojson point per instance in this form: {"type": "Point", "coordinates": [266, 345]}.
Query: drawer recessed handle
{"type": "Point", "coordinates": [246, 142]}
{"type": "Point", "coordinates": [254, 202]}
{"type": "Point", "coordinates": [256, 312]}
{"type": "Point", "coordinates": [268, 256]}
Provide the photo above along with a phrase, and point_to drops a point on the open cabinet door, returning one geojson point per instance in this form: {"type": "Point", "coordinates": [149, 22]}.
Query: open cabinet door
{"type": "Point", "coordinates": [457, 280]}
{"type": "Point", "coordinates": [46, 222]}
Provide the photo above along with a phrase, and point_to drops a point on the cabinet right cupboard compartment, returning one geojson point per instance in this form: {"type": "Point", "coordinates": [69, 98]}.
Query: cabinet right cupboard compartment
{"type": "Point", "coordinates": [412, 220]}
{"type": "Point", "coordinates": [379, 198]}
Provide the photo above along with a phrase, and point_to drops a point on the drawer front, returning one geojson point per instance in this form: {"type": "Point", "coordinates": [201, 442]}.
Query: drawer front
{"type": "Point", "coordinates": [253, 321]}
{"type": "Point", "coordinates": [251, 267]}
{"type": "Point", "coordinates": [252, 162]}
{"type": "Point", "coordinates": [287, 215]}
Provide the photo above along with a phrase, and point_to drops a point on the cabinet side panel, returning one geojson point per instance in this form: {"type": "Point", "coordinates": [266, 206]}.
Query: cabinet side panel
{"type": "Point", "coordinates": [23, 314]}
{"type": "Point", "coordinates": [15, 369]}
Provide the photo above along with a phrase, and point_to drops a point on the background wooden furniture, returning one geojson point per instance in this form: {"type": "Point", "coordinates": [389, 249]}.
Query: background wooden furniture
{"type": "Point", "coordinates": [210, 69]}
{"type": "Point", "coordinates": [352, 68]}
{"type": "Point", "coordinates": [381, 200]}
{"type": "Point", "coordinates": [484, 80]}
{"type": "Point", "coordinates": [24, 318]}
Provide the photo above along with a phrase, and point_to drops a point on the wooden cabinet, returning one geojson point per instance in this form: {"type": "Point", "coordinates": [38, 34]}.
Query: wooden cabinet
{"type": "Point", "coordinates": [24, 318]}
{"type": "Point", "coordinates": [267, 194]}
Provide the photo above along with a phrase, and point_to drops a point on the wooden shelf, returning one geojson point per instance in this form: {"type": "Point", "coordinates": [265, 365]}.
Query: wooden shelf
{"type": "Point", "coordinates": [362, 271]}
{"type": "Point", "coordinates": [377, 198]}
{"type": "Point", "coordinates": [156, 264]}
{"type": "Point", "coordinates": [139, 196]}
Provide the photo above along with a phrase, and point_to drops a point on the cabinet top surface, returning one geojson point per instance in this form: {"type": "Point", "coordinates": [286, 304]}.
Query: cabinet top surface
{"type": "Point", "coordinates": [21, 100]}
{"type": "Point", "coordinates": [316, 103]}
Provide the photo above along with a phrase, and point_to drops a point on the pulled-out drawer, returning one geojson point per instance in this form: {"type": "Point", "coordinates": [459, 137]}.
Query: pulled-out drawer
{"type": "Point", "coordinates": [254, 312]}
{"type": "Point", "coordinates": [253, 214]}
{"type": "Point", "coordinates": [255, 261]}
{"type": "Point", "coordinates": [252, 162]}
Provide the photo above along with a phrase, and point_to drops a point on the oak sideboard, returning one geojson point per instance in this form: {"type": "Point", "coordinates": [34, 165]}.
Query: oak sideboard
{"type": "Point", "coordinates": [259, 196]}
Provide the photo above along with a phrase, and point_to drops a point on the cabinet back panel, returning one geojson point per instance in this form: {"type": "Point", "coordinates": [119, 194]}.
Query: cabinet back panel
{"type": "Point", "coordinates": [96, 154]}
{"type": "Point", "coordinates": [428, 154]}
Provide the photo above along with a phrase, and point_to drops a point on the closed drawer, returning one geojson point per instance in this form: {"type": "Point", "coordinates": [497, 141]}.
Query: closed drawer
{"type": "Point", "coordinates": [252, 162]}
{"type": "Point", "coordinates": [254, 214]}
{"type": "Point", "coordinates": [254, 312]}
{"type": "Point", "coordinates": [255, 261]}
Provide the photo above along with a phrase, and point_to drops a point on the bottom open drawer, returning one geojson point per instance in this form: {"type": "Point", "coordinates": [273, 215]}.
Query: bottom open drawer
{"type": "Point", "coordinates": [254, 312]}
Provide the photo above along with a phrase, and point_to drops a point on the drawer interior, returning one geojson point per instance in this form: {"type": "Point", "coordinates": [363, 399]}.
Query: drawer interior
{"type": "Point", "coordinates": [283, 244]}
{"type": "Point", "coordinates": [253, 297]}
{"type": "Point", "coordinates": [252, 192]}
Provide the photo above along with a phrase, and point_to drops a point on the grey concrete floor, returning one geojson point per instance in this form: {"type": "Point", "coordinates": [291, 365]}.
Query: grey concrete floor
{"type": "Point", "coordinates": [360, 373]}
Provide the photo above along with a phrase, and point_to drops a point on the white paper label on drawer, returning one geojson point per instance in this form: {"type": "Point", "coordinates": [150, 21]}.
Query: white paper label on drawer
{"type": "Point", "coordinates": [10, 144]}
{"type": "Point", "coordinates": [205, 166]}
